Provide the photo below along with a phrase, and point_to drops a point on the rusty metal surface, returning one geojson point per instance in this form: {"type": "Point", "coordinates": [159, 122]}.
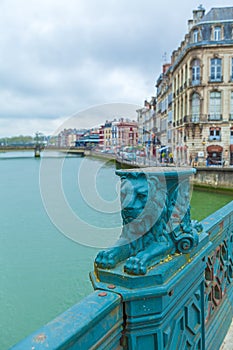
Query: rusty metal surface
{"type": "Point", "coordinates": [94, 323]}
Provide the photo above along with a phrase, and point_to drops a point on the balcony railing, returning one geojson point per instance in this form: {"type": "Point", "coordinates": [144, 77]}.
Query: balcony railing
{"type": "Point", "coordinates": [214, 79]}
{"type": "Point", "coordinates": [200, 118]}
{"type": "Point", "coordinates": [214, 138]}
{"type": "Point", "coordinates": [195, 118]}
{"type": "Point", "coordinates": [215, 117]}
{"type": "Point", "coordinates": [194, 82]}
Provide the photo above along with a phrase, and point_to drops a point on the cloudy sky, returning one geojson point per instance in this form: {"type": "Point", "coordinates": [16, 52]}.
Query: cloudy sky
{"type": "Point", "coordinates": [59, 58]}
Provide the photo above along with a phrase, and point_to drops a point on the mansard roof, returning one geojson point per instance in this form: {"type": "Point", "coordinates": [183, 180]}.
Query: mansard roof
{"type": "Point", "coordinates": [218, 14]}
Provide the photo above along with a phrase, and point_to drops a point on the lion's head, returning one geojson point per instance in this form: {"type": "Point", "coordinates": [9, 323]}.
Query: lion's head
{"type": "Point", "coordinates": [143, 197]}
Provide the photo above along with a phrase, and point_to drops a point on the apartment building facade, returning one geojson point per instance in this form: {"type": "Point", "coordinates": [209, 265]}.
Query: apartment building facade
{"type": "Point", "coordinates": [195, 91]}
{"type": "Point", "coordinates": [118, 133]}
{"type": "Point", "coordinates": [146, 118]}
{"type": "Point", "coordinates": [127, 132]}
{"type": "Point", "coordinates": [67, 138]}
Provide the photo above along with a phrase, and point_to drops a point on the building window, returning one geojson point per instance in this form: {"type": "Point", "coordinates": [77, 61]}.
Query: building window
{"type": "Point", "coordinates": [195, 107]}
{"type": "Point", "coordinates": [216, 69]}
{"type": "Point", "coordinates": [232, 68]}
{"type": "Point", "coordinates": [163, 125]}
{"type": "Point", "coordinates": [159, 106]}
{"type": "Point", "coordinates": [196, 72]}
{"type": "Point", "coordinates": [164, 105]}
{"type": "Point", "coordinates": [169, 117]}
{"type": "Point", "coordinates": [217, 33]}
{"type": "Point", "coordinates": [185, 76]}
{"type": "Point", "coordinates": [231, 107]}
{"type": "Point", "coordinates": [215, 134]}
{"type": "Point", "coordinates": [215, 106]}
{"type": "Point", "coordinates": [231, 140]}
{"type": "Point", "coordinates": [195, 36]}
{"type": "Point", "coordinates": [169, 100]}
{"type": "Point", "coordinates": [169, 135]}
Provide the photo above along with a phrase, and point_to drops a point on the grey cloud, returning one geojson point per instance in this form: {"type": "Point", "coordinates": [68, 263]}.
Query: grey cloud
{"type": "Point", "coordinates": [58, 57]}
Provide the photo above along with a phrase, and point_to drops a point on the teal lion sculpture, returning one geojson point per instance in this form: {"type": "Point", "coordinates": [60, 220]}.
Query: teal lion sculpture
{"type": "Point", "coordinates": [155, 209]}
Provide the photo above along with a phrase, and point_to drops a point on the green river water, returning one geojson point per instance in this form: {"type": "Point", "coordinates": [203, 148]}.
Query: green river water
{"type": "Point", "coordinates": [42, 272]}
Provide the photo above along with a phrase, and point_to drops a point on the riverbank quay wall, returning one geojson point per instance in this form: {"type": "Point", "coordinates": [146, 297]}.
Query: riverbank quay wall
{"type": "Point", "coordinates": [211, 177]}
{"type": "Point", "coordinates": [214, 177]}
{"type": "Point", "coordinates": [185, 302]}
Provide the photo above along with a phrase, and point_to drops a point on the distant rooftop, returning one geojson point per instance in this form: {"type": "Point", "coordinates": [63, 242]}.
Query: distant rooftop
{"type": "Point", "coordinates": [218, 14]}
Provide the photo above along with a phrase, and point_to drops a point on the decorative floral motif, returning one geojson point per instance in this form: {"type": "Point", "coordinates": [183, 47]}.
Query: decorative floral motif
{"type": "Point", "coordinates": [218, 275]}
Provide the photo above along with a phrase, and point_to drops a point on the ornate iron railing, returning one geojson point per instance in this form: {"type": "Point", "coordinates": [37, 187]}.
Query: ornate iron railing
{"type": "Point", "coordinates": [168, 282]}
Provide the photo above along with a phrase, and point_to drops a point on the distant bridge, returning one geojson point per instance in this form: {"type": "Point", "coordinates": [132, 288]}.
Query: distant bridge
{"type": "Point", "coordinates": [73, 150]}
{"type": "Point", "coordinates": [17, 148]}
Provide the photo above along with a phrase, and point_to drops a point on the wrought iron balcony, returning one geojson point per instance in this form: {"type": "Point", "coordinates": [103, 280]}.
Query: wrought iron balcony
{"type": "Point", "coordinates": [194, 82]}
{"type": "Point", "coordinates": [195, 118]}
{"type": "Point", "coordinates": [214, 138]}
{"type": "Point", "coordinates": [215, 79]}
{"type": "Point", "coordinates": [215, 117]}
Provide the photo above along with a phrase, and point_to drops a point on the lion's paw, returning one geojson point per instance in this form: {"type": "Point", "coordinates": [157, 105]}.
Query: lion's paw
{"type": "Point", "coordinates": [135, 266]}
{"type": "Point", "coordinates": [106, 259]}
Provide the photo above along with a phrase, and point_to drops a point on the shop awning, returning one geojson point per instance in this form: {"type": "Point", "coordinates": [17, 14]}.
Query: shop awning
{"type": "Point", "coordinates": [214, 148]}
{"type": "Point", "coordinates": [163, 148]}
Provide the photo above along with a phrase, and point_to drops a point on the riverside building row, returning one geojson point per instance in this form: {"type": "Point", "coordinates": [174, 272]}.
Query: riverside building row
{"type": "Point", "coordinates": [112, 134]}
{"type": "Point", "coordinates": [193, 112]}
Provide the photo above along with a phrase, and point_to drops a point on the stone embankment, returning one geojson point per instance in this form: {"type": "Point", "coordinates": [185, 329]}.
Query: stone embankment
{"type": "Point", "coordinates": [214, 177]}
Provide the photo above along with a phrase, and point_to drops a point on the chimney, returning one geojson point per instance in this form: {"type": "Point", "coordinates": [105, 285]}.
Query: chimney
{"type": "Point", "coordinates": [197, 16]}
{"type": "Point", "coordinates": [190, 24]}
{"type": "Point", "coordinates": [165, 67]}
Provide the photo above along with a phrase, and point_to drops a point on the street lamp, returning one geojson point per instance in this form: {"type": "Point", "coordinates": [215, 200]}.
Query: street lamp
{"type": "Point", "coordinates": [203, 144]}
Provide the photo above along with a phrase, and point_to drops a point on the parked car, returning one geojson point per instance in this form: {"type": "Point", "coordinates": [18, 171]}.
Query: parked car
{"type": "Point", "coordinates": [141, 153]}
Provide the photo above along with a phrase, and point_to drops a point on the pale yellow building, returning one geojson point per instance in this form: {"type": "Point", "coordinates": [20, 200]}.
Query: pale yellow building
{"type": "Point", "coordinates": [201, 80]}
{"type": "Point", "coordinates": [107, 134]}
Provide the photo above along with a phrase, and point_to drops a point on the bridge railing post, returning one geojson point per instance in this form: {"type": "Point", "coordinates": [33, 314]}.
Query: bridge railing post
{"type": "Point", "coordinates": [160, 263]}
{"type": "Point", "coordinates": [166, 284]}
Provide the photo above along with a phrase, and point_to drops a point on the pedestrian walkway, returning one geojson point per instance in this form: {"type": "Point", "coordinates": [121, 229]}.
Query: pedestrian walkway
{"type": "Point", "coordinates": [228, 341]}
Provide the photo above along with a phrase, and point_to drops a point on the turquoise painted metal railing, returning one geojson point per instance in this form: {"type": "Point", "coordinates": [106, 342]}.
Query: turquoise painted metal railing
{"type": "Point", "coordinates": [166, 284]}
{"type": "Point", "coordinates": [94, 323]}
